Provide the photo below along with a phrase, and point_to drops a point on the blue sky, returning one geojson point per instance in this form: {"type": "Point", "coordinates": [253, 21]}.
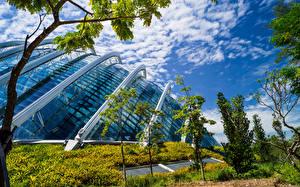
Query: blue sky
{"type": "Point", "coordinates": [217, 48]}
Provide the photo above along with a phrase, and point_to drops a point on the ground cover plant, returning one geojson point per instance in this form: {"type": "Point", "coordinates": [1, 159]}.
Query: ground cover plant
{"type": "Point", "coordinates": [219, 172]}
{"type": "Point", "coordinates": [48, 165]}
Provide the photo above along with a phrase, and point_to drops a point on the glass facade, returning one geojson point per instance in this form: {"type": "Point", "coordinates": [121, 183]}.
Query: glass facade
{"type": "Point", "coordinates": [64, 114]}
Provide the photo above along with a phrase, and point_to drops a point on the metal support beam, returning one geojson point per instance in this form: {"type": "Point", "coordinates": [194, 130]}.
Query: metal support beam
{"type": "Point", "coordinates": [167, 89]}
{"type": "Point", "coordinates": [20, 48]}
{"type": "Point", "coordinates": [83, 132]}
{"type": "Point", "coordinates": [11, 43]}
{"type": "Point", "coordinates": [27, 112]}
{"type": "Point", "coordinates": [31, 65]}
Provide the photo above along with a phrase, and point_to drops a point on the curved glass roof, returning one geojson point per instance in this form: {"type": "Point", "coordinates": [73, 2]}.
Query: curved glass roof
{"type": "Point", "coordinates": [58, 96]}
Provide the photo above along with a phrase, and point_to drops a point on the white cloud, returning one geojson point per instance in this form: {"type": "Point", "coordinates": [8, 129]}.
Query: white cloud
{"type": "Point", "coordinates": [264, 113]}
{"type": "Point", "coordinates": [215, 115]}
{"type": "Point", "coordinates": [267, 119]}
{"type": "Point", "coordinates": [191, 29]}
{"type": "Point", "coordinates": [261, 69]}
{"type": "Point", "coordinates": [238, 47]}
{"type": "Point", "coordinates": [5, 10]}
{"type": "Point", "coordinates": [249, 98]}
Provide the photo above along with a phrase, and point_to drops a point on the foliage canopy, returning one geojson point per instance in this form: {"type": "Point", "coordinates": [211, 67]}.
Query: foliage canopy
{"type": "Point", "coordinates": [122, 15]}
{"type": "Point", "coordinates": [194, 121]}
{"type": "Point", "coordinates": [151, 133]}
{"type": "Point", "coordinates": [261, 149]}
{"type": "Point", "coordinates": [238, 150]}
{"type": "Point", "coordinates": [286, 35]}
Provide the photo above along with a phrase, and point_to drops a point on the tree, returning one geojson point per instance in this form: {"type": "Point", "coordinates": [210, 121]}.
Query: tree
{"type": "Point", "coordinates": [119, 104]}
{"type": "Point", "coordinates": [236, 127]}
{"type": "Point", "coordinates": [281, 100]}
{"type": "Point", "coordinates": [194, 121]}
{"type": "Point", "coordinates": [122, 15]}
{"type": "Point", "coordinates": [260, 148]}
{"type": "Point", "coordinates": [282, 87]}
{"type": "Point", "coordinates": [286, 35]}
{"type": "Point", "coordinates": [294, 137]}
{"type": "Point", "coordinates": [150, 132]}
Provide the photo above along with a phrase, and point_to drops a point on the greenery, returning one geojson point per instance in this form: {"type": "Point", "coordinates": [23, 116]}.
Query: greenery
{"type": "Point", "coordinates": [282, 86]}
{"type": "Point", "coordinates": [122, 15]}
{"type": "Point", "coordinates": [151, 135]}
{"type": "Point", "coordinates": [236, 127]}
{"type": "Point", "coordinates": [186, 174]}
{"type": "Point", "coordinates": [50, 165]}
{"type": "Point", "coordinates": [261, 149]}
{"type": "Point", "coordinates": [292, 75]}
{"type": "Point", "coordinates": [118, 105]}
{"type": "Point", "coordinates": [286, 35]}
{"type": "Point", "coordinates": [218, 172]}
{"type": "Point", "coordinates": [194, 121]}
{"type": "Point", "coordinates": [283, 101]}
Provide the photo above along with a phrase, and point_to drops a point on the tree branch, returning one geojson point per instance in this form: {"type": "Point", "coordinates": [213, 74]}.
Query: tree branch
{"type": "Point", "coordinates": [294, 104]}
{"type": "Point", "coordinates": [80, 7]}
{"type": "Point", "coordinates": [84, 21]}
{"type": "Point", "coordinates": [96, 20]}
{"type": "Point", "coordinates": [268, 106]}
{"type": "Point", "coordinates": [42, 17]}
{"type": "Point", "coordinates": [25, 44]}
{"type": "Point", "coordinates": [60, 4]}
{"type": "Point", "coordinates": [290, 127]}
{"type": "Point", "coordinates": [269, 143]}
{"type": "Point", "coordinates": [51, 5]}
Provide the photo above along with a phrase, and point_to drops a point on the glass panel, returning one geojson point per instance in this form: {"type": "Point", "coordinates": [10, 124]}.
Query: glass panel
{"type": "Point", "coordinates": [68, 112]}
{"type": "Point", "coordinates": [40, 80]}
{"type": "Point", "coordinates": [147, 91]}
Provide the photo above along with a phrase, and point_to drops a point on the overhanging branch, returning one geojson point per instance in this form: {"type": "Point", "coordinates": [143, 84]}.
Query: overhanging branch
{"type": "Point", "coordinates": [42, 17]}
{"type": "Point", "coordinates": [269, 143]}
{"type": "Point", "coordinates": [80, 7]}
{"type": "Point", "coordinates": [50, 4]}
{"type": "Point", "coordinates": [96, 20]}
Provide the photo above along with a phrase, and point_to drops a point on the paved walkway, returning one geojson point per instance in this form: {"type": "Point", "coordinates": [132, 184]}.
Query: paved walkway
{"type": "Point", "coordinates": [143, 170]}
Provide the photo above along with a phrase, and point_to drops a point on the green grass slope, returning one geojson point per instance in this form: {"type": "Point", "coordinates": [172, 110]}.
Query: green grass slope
{"type": "Point", "coordinates": [99, 165]}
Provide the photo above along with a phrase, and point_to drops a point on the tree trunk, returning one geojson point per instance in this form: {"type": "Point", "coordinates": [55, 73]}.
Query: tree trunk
{"type": "Point", "coordinates": [123, 162]}
{"type": "Point", "coordinates": [4, 180]}
{"type": "Point", "coordinates": [15, 73]}
{"type": "Point", "coordinates": [198, 160]}
{"type": "Point", "coordinates": [150, 156]}
{"type": "Point", "coordinates": [5, 131]}
{"type": "Point", "coordinates": [196, 153]}
{"type": "Point", "coordinates": [202, 170]}
{"type": "Point", "coordinates": [122, 150]}
{"type": "Point", "coordinates": [150, 159]}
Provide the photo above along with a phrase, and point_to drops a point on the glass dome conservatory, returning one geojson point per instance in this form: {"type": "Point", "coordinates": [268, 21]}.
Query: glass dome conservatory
{"type": "Point", "coordinates": [60, 96]}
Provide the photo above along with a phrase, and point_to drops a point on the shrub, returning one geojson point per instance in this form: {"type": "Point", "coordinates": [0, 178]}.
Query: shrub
{"type": "Point", "coordinates": [49, 165]}
{"type": "Point", "coordinates": [215, 166]}
{"type": "Point", "coordinates": [224, 174]}
{"type": "Point", "coordinates": [289, 175]}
